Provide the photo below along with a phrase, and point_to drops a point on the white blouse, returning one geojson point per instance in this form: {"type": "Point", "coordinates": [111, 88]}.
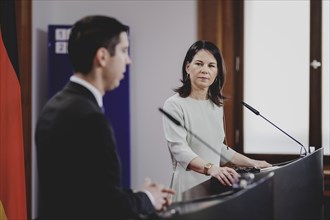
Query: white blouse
{"type": "Point", "coordinates": [205, 120]}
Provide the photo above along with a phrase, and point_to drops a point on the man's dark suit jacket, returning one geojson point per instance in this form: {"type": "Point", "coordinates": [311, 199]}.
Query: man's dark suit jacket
{"type": "Point", "coordinates": [78, 165]}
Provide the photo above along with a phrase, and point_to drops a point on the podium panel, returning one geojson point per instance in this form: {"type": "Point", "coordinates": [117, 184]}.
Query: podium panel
{"type": "Point", "coordinates": [253, 202]}
{"type": "Point", "coordinates": [298, 188]}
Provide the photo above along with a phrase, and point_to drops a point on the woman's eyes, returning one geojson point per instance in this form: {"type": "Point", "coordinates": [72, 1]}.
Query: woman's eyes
{"type": "Point", "coordinates": [201, 64]}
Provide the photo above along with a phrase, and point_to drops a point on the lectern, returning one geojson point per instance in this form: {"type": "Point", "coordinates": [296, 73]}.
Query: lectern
{"type": "Point", "coordinates": [253, 202]}
{"type": "Point", "coordinates": [292, 191]}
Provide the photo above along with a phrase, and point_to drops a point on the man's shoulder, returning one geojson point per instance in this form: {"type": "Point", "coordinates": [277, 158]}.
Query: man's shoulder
{"type": "Point", "coordinates": [69, 102]}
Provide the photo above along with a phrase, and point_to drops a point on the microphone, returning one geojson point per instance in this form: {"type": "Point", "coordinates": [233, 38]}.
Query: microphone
{"type": "Point", "coordinates": [175, 121]}
{"type": "Point", "coordinates": [258, 113]}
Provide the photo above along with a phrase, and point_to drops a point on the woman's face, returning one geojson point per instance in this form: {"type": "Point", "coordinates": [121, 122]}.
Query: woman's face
{"type": "Point", "coordinates": [202, 70]}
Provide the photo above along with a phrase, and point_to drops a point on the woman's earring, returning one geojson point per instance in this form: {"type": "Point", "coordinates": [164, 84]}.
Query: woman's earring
{"type": "Point", "coordinates": [187, 77]}
{"type": "Point", "coordinates": [215, 81]}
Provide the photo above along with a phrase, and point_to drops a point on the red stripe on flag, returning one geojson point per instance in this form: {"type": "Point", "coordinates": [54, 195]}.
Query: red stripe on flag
{"type": "Point", "coordinates": [12, 174]}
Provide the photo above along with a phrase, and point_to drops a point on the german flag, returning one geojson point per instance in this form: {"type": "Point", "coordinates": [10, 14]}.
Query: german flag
{"type": "Point", "coordinates": [12, 175]}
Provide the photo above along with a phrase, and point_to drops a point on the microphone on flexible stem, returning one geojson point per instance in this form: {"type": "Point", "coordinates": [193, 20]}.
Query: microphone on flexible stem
{"type": "Point", "coordinates": [258, 113]}
{"type": "Point", "coordinates": [175, 121]}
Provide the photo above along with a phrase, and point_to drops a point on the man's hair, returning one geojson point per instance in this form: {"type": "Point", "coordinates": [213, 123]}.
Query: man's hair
{"type": "Point", "coordinates": [88, 35]}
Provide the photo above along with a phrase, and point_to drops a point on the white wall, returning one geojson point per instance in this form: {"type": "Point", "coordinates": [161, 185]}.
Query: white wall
{"type": "Point", "coordinates": [160, 34]}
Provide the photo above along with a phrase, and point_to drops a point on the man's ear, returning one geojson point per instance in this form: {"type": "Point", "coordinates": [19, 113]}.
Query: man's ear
{"type": "Point", "coordinates": [101, 56]}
